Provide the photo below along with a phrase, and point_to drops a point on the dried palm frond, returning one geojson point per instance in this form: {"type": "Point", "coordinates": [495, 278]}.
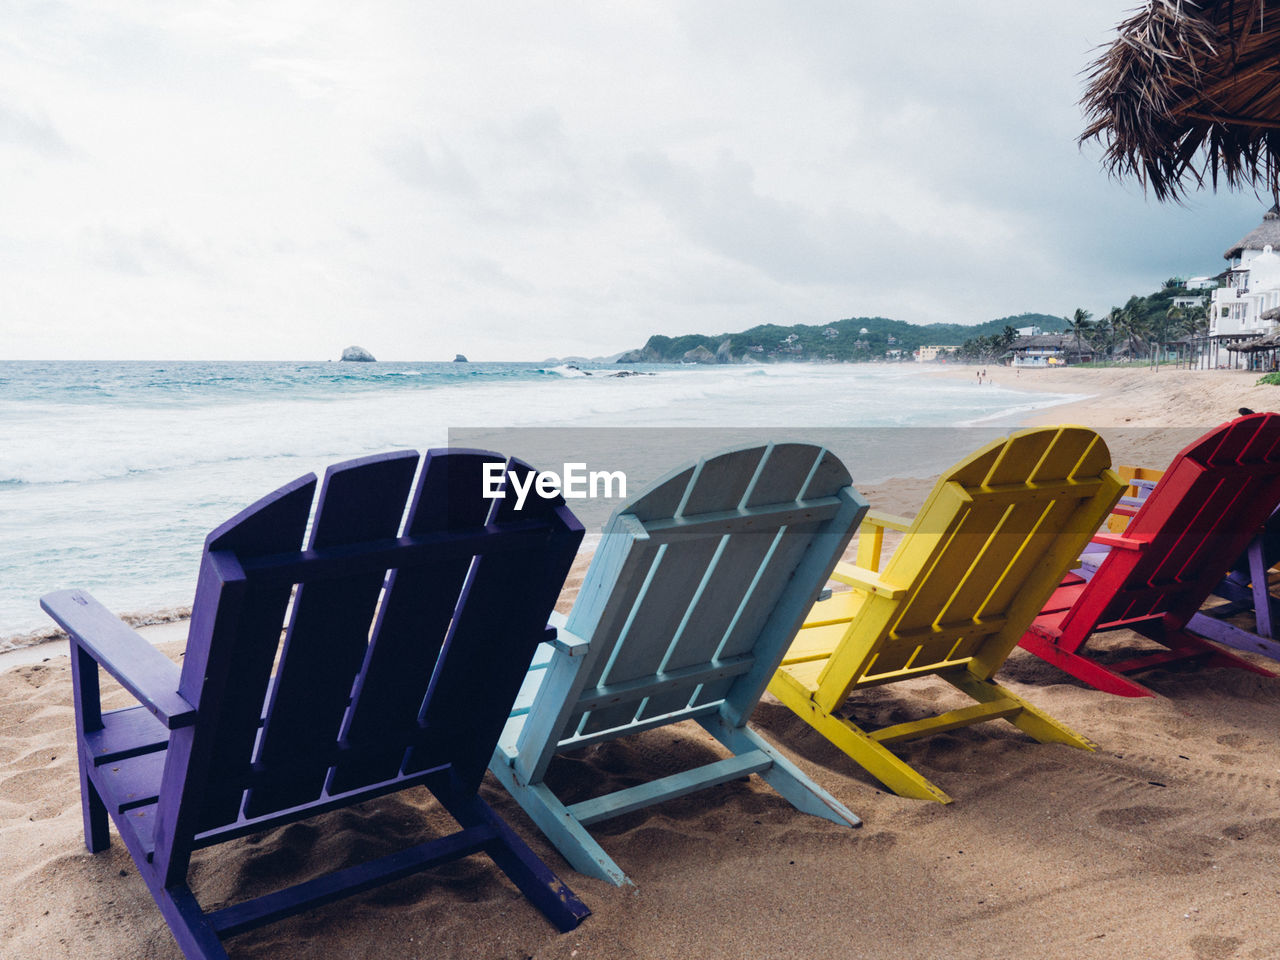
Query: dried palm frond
{"type": "Point", "coordinates": [1190, 91]}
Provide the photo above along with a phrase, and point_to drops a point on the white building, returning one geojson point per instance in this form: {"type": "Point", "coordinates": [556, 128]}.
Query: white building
{"type": "Point", "coordinates": [929, 354]}
{"type": "Point", "coordinates": [1246, 306]}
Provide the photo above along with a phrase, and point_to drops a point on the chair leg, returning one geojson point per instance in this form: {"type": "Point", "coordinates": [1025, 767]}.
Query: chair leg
{"type": "Point", "coordinates": [555, 821]}
{"type": "Point", "coordinates": [97, 830]}
{"type": "Point", "coordinates": [1261, 588]}
{"type": "Point", "coordinates": [1233, 636]}
{"type": "Point", "coordinates": [1030, 719]}
{"type": "Point", "coordinates": [188, 924]}
{"type": "Point", "coordinates": [88, 707]}
{"type": "Point", "coordinates": [872, 756]}
{"type": "Point", "coordinates": [1081, 667]}
{"type": "Point", "coordinates": [784, 776]}
{"type": "Point", "coordinates": [1216, 656]}
{"type": "Point", "coordinates": [531, 876]}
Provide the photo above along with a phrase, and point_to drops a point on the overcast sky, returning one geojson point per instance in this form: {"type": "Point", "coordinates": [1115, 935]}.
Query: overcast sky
{"type": "Point", "coordinates": [518, 180]}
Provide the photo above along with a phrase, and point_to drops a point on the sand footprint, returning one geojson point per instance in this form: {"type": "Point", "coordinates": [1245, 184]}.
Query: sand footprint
{"type": "Point", "coordinates": [1207, 947]}
{"type": "Point", "coordinates": [1139, 815]}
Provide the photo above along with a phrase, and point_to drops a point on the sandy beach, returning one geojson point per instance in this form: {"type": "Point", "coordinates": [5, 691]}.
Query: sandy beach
{"type": "Point", "coordinates": [1165, 843]}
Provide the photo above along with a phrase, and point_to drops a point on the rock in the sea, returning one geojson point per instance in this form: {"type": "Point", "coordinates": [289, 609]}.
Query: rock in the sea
{"type": "Point", "coordinates": [459, 358]}
{"type": "Point", "coordinates": [357, 354]}
{"type": "Point", "coordinates": [724, 353]}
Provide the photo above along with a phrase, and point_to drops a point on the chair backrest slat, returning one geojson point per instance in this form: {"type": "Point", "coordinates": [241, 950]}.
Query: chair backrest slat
{"type": "Point", "coordinates": [653, 611]}
{"type": "Point", "coordinates": [766, 579]}
{"type": "Point", "coordinates": [984, 553]}
{"type": "Point", "coordinates": [328, 633]}
{"type": "Point", "coordinates": [231, 648]}
{"type": "Point", "coordinates": [501, 619]}
{"type": "Point", "coordinates": [677, 573]}
{"type": "Point", "coordinates": [377, 673]}
{"type": "Point", "coordinates": [1210, 502]}
{"type": "Point", "coordinates": [413, 621]}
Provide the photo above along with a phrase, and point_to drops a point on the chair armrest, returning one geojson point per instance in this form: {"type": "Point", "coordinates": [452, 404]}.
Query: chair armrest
{"type": "Point", "coordinates": [570, 644]}
{"type": "Point", "coordinates": [866, 580]}
{"type": "Point", "coordinates": [120, 650]}
{"type": "Point", "coordinates": [871, 536]}
{"type": "Point", "coordinates": [889, 521]}
{"type": "Point", "coordinates": [1119, 541]}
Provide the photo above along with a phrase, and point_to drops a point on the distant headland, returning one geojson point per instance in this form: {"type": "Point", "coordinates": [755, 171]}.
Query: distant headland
{"type": "Point", "coordinates": [851, 340]}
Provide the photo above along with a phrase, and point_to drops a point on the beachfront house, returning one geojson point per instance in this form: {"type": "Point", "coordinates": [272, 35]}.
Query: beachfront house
{"type": "Point", "coordinates": [1248, 306]}
{"type": "Point", "coordinates": [1048, 350]}
{"type": "Point", "coordinates": [931, 353]}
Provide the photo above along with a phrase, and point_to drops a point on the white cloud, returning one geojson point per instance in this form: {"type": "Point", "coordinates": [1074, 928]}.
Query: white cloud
{"type": "Point", "coordinates": [278, 180]}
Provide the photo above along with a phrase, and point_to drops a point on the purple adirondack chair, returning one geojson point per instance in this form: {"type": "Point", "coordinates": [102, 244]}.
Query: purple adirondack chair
{"type": "Point", "coordinates": [402, 656]}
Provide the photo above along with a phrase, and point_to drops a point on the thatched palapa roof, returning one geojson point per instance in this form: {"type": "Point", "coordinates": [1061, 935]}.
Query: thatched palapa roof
{"type": "Point", "coordinates": [1269, 342]}
{"type": "Point", "coordinates": [1267, 232]}
{"type": "Point", "coordinates": [1190, 91]}
{"type": "Point", "coordinates": [1061, 341]}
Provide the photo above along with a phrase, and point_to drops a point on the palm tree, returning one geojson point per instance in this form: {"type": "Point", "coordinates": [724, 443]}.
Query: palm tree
{"type": "Point", "coordinates": [1079, 323]}
{"type": "Point", "coordinates": [1166, 328]}
{"type": "Point", "coordinates": [1104, 332]}
{"type": "Point", "coordinates": [1134, 329]}
{"type": "Point", "coordinates": [1191, 322]}
{"type": "Point", "coordinates": [1122, 323]}
{"type": "Point", "coordinates": [1195, 322]}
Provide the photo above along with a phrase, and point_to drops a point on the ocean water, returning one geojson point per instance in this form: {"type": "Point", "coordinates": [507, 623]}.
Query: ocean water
{"type": "Point", "coordinates": [111, 474]}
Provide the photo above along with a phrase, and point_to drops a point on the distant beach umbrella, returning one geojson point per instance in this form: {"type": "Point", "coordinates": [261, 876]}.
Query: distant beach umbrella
{"type": "Point", "coordinates": [1187, 93]}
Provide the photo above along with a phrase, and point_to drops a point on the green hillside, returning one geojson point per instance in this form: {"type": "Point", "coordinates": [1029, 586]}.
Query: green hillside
{"type": "Point", "coordinates": [843, 340]}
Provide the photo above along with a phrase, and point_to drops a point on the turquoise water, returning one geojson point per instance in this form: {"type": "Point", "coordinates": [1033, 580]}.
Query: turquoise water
{"type": "Point", "coordinates": [111, 474]}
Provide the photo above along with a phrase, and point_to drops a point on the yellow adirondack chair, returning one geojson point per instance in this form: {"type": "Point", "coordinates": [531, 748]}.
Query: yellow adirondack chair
{"type": "Point", "coordinates": [973, 569]}
{"type": "Point", "coordinates": [1140, 481]}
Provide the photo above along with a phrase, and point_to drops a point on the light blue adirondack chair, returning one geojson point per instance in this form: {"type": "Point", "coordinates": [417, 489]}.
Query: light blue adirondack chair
{"type": "Point", "coordinates": [693, 596]}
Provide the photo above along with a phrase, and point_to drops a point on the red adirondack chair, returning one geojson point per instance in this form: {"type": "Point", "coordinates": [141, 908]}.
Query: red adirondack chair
{"type": "Point", "coordinates": [1183, 538]}
{"type": "Point", "coordinates": [401, 659]}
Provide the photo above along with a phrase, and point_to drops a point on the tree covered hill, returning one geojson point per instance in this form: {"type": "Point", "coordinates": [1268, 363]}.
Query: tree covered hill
{"type": "Point", "coordinates": [853, 339]}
